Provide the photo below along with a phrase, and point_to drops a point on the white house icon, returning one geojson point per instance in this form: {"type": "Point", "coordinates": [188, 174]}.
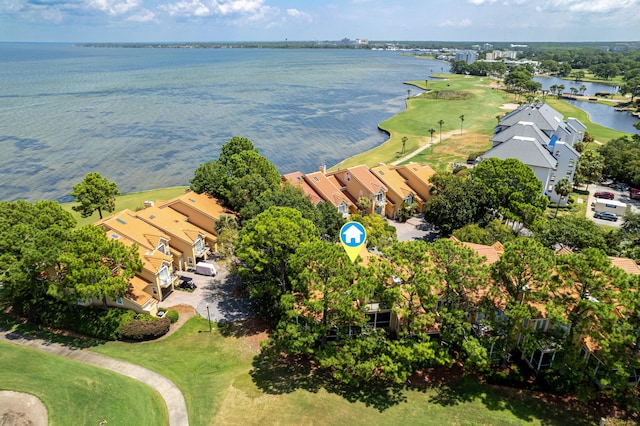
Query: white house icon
{"type": "Point", "coordinates": [352, 235]}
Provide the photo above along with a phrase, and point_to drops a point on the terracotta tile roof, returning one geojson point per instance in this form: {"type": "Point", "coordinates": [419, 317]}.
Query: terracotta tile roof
{"type": "Point", "coordinates": [173, 223]}
{"type": "Point", "coordinates": [422, 172]}
{"type": "Point", "coordinates": [126, 223]}
{"type": "Point", "coordinates": [564, 250]}
{"type": "Point", "coordinates": [394, 181]}
{"type": "Point", "coordinates": [202, 202]}
{"type": "Point", "coordinates": [327, 188]}
{"type": "Point", "coordinates": [152, 259]}
{"type": "Point", "coordinates": [627, 265]}
{"type": "Point", "coordinates": [297, 179]}
{"type": "Point", "coordinates": [490, 253]}
{"type": "Point", "coordinates": [136, 291]}
{"type": "Point", "coordinates": [363, 175]}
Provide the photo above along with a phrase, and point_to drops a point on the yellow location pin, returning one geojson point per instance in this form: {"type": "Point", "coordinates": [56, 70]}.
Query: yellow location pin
{"type": "Point", "coordinates": [353, 237]}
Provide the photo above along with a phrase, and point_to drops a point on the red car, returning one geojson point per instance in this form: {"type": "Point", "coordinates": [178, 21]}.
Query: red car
{"type": "Point", "coordinates": [607, 195]}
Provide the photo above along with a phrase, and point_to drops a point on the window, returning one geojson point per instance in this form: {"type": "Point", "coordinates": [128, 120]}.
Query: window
{"type": "Point", "coordinates": [199, 244]}
{"type": "Point", "coordinates": [409, 199]}
{"type": "Point", "coordinates": [161, 247]}
{"type": "Point", "coordinates": [88, 301]}
{"type": "Point", "coordinates": [572, 162]}
{"type": "Point", "coordinates": [342, 208]}
{"type": "Point", "coordinates": [119, 301]}
{"type": "Point", "coordinates": [190, 261]}
{"type": "Point", "coordinates": [347, 177]}
{"type": "Point", "coordinates": [164, 274]}
{"type": "Point", "coordinates": [541, 324]}
{"type": "Point", "coordinates": [553, 177]}
{"type": "Point", "coordinates": [380, 197]}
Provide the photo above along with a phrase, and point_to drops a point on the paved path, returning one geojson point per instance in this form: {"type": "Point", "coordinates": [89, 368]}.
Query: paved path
{"type": "Point", "coordinates": [422, 148]}
{"type": "Point", "coordinates": [172, 396]}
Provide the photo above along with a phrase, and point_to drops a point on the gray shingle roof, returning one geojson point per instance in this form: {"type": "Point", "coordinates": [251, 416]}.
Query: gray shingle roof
{"type": "Point", "coordinates": [522, 128]}
{"type": "Point", "coordinates": [545, 117]}
{"type": "Point", "coordinates": [525, 149]}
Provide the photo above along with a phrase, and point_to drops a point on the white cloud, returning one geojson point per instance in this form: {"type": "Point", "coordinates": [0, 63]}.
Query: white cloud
{"type": "Point", "coordinates": [243, 7]}
{"type": "Point", "coordinates": [114, 7]}
{"type": "Point", "coordinates": [143, 15]}
{"type": "Point", "coordinates": [589, 6]}
{"type": "Point", "coordinates": [481, 2]}
{"type": "Point", "coordinates": [459, 24]}
{"type": "Point", "coordinates": [185, 8]}
{"type": "Point", "coordinates": [298, 14]}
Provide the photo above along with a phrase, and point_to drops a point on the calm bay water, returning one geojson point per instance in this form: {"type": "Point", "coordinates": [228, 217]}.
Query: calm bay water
{"type": "Point", "coordinates": [146, 118]}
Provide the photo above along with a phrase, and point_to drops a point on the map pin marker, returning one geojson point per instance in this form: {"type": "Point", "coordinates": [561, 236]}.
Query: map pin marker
{"type": "Point", "coordinates": [353, 237]}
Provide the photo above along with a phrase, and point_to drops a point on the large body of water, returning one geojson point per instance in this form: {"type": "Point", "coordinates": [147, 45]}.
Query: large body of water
{"type": "Point", "coordinates": [146, 118]}
{"type": "Point", "coordinates": [598, 113]}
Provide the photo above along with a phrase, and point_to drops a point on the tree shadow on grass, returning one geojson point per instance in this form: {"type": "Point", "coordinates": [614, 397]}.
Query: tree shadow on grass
{"type": "Point", "coordinates": [526, 405]}
{"type": "Point", "coordinates": [21, 329]}
{"type": "Point", "coordinates": [252, 326]}
{"type": "Point", "coordinates": [278, 375]}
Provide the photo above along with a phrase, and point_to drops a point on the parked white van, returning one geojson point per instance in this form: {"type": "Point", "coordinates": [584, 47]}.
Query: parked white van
{"type": "Point", "coordinates": [204, 268]}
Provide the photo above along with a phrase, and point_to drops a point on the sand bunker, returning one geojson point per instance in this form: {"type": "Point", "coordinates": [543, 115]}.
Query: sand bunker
{"type": "Point", "coordinates": [21, 409]}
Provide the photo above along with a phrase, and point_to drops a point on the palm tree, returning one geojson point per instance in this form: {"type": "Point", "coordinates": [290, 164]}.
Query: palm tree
{"type": "Point", "coordinates": [461, 122]}
{"type": "Point", "coordinates": [554, 88]}
{"type": "Point", "coordinates": [441, 122]}
{"type": "Point", "coordinates": [562, 188]}
{"type": "Point", "coordinates": [404, 142]}
{"type": "Point", "coordinates": [408, 93]}
{"type": "Point", "coordinates": [574, 91]}
{"type": "Point", "coordinates": [560, 89]}
{"type": "Point", "coordinates": [432, 131]}
{"type": "Point", "coordinates": [583, 89]}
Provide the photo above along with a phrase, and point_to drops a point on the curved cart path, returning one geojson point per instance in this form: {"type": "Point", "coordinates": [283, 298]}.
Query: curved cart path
{"type": "Point", "coordinates": [172, 396]}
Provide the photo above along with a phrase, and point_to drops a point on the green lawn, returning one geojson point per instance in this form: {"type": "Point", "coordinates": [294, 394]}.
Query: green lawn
{"type": "Point", "coordinates": [600, 133]}
{"type": "Point", "coordinates": [79, 394]}
{"type": "Point", "coordinates": [457, 95]}
{"type": "Point", "coordinates": [133, 201]}
{"type": "Point", "coordinates": [224, 384]}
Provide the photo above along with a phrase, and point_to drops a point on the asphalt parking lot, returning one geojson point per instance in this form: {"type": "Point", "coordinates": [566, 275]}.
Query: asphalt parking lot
{"type": "Point", "coordinates": [218, 293]}
{"type": "Point", "coordinates": [415, 229]}
{"type": "Point", "coordinates": [622, 196]}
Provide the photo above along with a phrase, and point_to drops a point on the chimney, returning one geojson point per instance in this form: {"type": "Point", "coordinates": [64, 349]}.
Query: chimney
{"type": "Point", "coordinates": [323, 169]}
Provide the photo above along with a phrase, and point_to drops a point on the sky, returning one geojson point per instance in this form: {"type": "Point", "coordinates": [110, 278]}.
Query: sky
{"type": "Point", "coordinates": [303, 20]}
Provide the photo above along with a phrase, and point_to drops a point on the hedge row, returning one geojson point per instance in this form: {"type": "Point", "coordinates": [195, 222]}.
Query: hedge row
{"type": "Point", "coordinates": [106, 324]}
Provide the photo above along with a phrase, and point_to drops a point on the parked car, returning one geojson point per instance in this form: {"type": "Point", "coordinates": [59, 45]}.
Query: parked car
{"type": "Point", "coordinates": [186, 283]}
{"type": "Point", "coordinates": [607, 195]}
{"type": "Point", "coordinates": [621, 187]}
{"type": "Point", "coordinates": [606, 216]}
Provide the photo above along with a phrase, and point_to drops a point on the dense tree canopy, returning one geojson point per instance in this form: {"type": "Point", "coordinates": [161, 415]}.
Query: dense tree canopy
{"type": "Point", "coordinates": [458, 201]}
{"type": "Point", "coordinates": [44, 257]}
{"type": "Point", "coordinates": [239, 175]}
{"type": "Point", "coordinates": [32, 239]}
{"type": "Point", "coordinates": [266, 244]}
{"type": "Point", "coordinates": [572, 231]}
{"type": "Point", "coordinates": [622, 159]}
{"type": "Point", "coordinates": [95, 193]}
{"type": "Point", "coordinates": [512, 188]}
{"type": "Point", "coordinates": [92, 265]}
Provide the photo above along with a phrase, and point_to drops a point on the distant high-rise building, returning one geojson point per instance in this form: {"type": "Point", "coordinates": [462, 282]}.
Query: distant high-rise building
{"type": "Point", "coordinates": [469, 56]}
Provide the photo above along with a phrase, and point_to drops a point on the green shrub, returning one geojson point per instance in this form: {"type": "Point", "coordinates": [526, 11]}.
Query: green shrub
{"type": "Point", "coordinates": [173, 316]}
{"type": "Point", "coordinates": [145, 327]}
{"type": "Point", "coordinates": [87, 320]}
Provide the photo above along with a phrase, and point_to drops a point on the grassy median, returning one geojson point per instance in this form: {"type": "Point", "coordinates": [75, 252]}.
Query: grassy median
{"type": "Point", "coordinates": [79, 394]}
{"type": "Point", "coordinates": [224, 383]}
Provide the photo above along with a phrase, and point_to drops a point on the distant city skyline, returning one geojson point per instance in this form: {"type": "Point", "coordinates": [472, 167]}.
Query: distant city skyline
{"type": "Point", "coordinates": [279, 20]}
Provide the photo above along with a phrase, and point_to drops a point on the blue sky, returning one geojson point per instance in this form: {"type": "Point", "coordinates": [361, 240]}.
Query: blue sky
{"type": "Point", "coordinates": [275, 20]}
